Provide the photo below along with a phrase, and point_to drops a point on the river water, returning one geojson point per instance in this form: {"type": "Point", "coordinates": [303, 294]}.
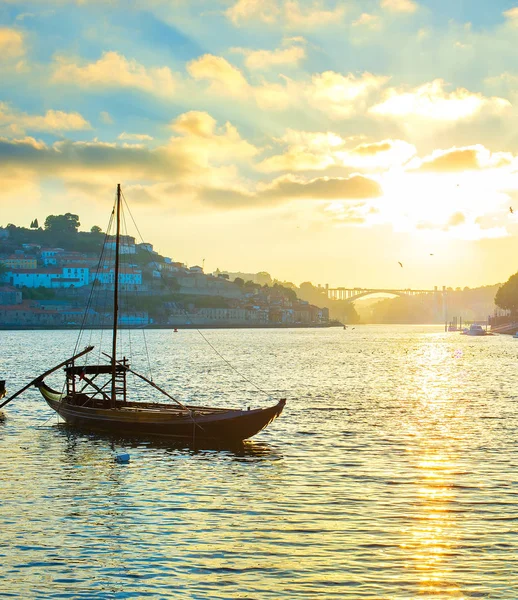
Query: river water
{"type": "Point", "coordinates": [391, 474]}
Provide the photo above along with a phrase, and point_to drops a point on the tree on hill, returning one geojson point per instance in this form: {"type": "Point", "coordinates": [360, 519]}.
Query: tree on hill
{"type": "Point", "coordinates": [507, 295]}
{"type": "Point", "coordinates": [34, 224]}
{"type": "Point", "coordinates": [96, 229]}
{"type": "Point", "coordinates": [67, 223]}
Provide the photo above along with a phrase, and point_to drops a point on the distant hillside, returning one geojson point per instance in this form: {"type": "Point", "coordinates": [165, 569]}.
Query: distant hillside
{"type": "Point", "coordinates": [471, 304]}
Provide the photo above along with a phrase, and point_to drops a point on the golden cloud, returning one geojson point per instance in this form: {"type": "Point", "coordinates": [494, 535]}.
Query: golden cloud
{"type": "Point", "coordinates": [195, 157]}
{"type": "Point", "coordinates": [378, 155]}
{"type": "Point", "coordinates": [264, 59]}
{"type": "Point", "coordinates": [512, 16]}
{"type": "Point", "coordinates": [400, 6]}
{"type": "Point", "coordinates": [224, 78]}
{"type": "Point", "coordinates": [367, 20]}
{"type": "Point", "coordinates": [456, 219]}
{"type": "Point", "coordinates": [54, 121]}
{"type": "Point", "coordinates": [201, 138]}
{"type": "Point", "coordinates": [114, 70]}
{"type": "Point", "coordinates": [372, 149]}
{"type": "Point", "coordinates": [11, 44]}
{"type": "Point", "coordinates": [305, 151]}
{"type": "Point", "coordinates": [289, 12]}
{"type": "Point", "coordinates": [319, 151]}
{"type": "Point", "coordinates": [139, 137]}
{"type": "Point", "coordinates": [431, 101]}
{"type": "Point", "coordinates": [355, 187]}
{"type": "Point", "coordinates": [470, 158]}
{"type": "Point", "coordinates": [341, 96]}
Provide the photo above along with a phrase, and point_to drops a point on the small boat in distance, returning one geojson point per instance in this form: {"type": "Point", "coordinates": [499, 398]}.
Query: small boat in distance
{"type": "Point", "coordinates": [96, 396]}
{"type": "Point", "coordinates": [475, 330]}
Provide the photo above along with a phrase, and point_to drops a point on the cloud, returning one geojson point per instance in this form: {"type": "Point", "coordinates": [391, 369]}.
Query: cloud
{"type": "Point", "coordinates": [431, 101]}
{"type": "Point", "coordinates": [342, 96]}
{"type": "Point", "coordinates": [313, 16]}
{"type": "Point", "coordinates": [355, 187]}
{"type": "Point", "coordinates": [288, 188]}
{"type": "Point", "coordinates": [141, 137]}
{"type": "Point", "coordinates": [75, 158]}
{"type": "Point", "coordinates": [512, 16]}
{"type": "Point", "coordinates": [114, 70]}
{"type": "Point", "coordinates": [287, 12]}
{"type": "Point", "coordinates": [227, 80]}
{"type": "Point", "coordinates": [224, 78]}
{"type": "Point", "coordinates": [470, 158]}
{"type": "Point", "coordinates": [305, 151]}
{"type": "Point", "coordinates": [11, 44]}
{"type": "Point", "coordinates": [456, 219]}
{"type": "Point", "coordinates": [201, 139]}
{"type": "Point", "coordinates": [53, 121]}
{"type": "Point", "coordinates": [378, 155]}
{"type": "Point", "coordinates": [264, 59]}
{"type": "Point", "coordinates": [367, 20]}
{"type": "Point", "coordinates": [244, 10]}
{"type": "Point", "coordinates": [399, 6]}
{"type": "Point", "coordinates": [196, 155]}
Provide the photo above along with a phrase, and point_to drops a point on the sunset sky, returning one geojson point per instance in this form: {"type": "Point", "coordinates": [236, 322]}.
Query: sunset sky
{"type": "Point", "coordinates": [314, 139]}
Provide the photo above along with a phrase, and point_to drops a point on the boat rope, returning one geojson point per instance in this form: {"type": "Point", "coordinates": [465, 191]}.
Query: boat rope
{"type": "Point", "coordinates": [90, 296]}
{"type": "Point", "coordinates": [156, 265]}
{"type": "Point", "coordinates": [233, 368]}
{"type": "Point", "coordinates": [268, 394]}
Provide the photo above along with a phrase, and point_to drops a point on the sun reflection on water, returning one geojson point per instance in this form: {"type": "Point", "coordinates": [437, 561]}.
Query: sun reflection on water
{"type": "Point", "coordinates": [435, 532]}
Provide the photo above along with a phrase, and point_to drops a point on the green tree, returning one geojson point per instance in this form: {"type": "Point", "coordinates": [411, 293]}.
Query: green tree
{"type": "Point", "coordinates": [96, 229]}
{"type": "Point", "coordinates": [507, 295]}
{"type": "Point", "coordinates": [67, 223]}
{"type": "Point", "coordinates": [240, 282]}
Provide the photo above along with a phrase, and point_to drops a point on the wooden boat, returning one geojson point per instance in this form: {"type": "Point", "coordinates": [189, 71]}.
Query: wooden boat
{"type": "Point", "coordinates": [95, 397]}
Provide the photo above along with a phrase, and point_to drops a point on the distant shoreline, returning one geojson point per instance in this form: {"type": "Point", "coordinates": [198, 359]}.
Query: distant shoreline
{"type": "Point", "coordinates": [186, 326]}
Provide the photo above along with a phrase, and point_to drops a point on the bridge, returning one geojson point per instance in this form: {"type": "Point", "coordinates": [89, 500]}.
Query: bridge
{"type": "Point", "coordinates": [352, 294]}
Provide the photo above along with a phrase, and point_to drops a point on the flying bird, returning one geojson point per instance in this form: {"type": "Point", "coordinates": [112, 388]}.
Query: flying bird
{"type": "Point", "coordinates": [400, 264]}
{"type": "Point", "coordinates": [511, 210]}
{"type": "Point", "coordinates": [431, 254]}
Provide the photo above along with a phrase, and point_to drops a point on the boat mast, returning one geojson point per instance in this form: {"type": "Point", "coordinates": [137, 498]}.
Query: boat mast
{"type": "Point", "coordinates": [116, 298]}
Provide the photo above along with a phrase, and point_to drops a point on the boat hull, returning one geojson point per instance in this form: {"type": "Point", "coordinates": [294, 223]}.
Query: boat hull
{"type": "Point", "coordinates": [207, 424]}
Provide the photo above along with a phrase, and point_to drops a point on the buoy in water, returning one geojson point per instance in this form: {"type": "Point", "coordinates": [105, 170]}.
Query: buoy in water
{"type": "Point", "coordinates": [122, 458]}
{"type": "Point", "coordinates": [175, 330]}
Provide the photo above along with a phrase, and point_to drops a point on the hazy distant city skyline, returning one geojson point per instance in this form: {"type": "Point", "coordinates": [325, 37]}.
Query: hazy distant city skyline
{"type": "Point", "coordinates": [318, 141]}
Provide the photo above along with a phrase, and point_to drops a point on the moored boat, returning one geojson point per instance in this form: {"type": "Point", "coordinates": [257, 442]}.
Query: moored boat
{"type": "Point", "coordinates": [96, 396]}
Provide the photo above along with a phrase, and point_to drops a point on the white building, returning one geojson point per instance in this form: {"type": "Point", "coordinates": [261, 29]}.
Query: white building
{"type": "Point", "coordinates": [127, 276]}
{"type": "Point", "coordinates": [146, 246]}
{"type": "Point", "coordinates": [126, 244]}
{"type": "Point", "coordinates": [47, 278]}
{"type": "Point", "coordinates": [49, 255]}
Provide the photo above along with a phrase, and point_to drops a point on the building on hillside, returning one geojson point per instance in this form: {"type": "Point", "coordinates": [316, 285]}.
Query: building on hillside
{"type": "Point", "coordinates": [47, 278]}
{"type": "Point", "coordinates": [19, 262]}
{"type": "Point", "coordinates": [79, 258]}
{"type": "Point", "coordinates": [147, 247]}
{"type": "Point", "coordinates": [29, 314]}
{"type": "Point", "coordinates": [218, 316]}
{"type": "Point", "coordinates": [206, 285]}
{"type": "Point", "coordinates": [10, 295]}
{"type": "Point", "coordinates": [32, 247]}
{"type": "Point", "coordinates": [48, 255]}
{"type": "Point", "coordinates": [126, 244]}
{"type": "Point", "coordinates": [196, 269]}
{"type": "Point", "coordinates": [128, 276]}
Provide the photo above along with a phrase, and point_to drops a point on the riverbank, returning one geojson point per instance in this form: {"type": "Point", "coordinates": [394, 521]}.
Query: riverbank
{"type": "Point", "coordinates": [184, 326]}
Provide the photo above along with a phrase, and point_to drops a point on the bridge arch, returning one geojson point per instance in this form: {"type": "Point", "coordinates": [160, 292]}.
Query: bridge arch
{"type": "Point", "coordinates": [352, 294]}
